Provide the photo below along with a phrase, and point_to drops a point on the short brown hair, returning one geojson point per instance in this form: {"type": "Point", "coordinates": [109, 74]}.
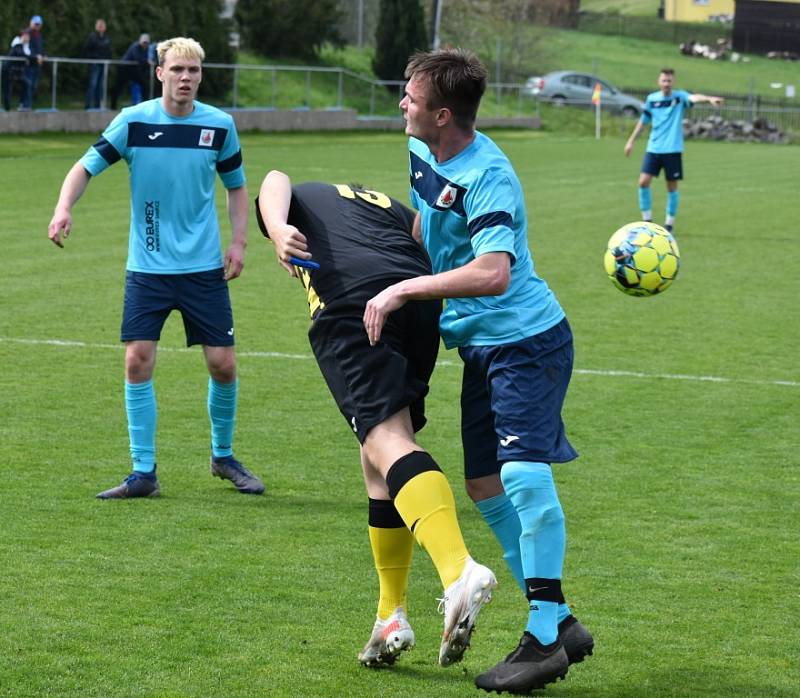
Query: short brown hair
{"type": "Point", "coordinates": [457, 80]}
{"type": "Point", "coordinates": [666, 71]}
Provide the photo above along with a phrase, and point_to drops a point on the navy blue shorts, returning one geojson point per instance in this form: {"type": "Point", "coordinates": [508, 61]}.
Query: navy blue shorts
{"type": "Point", "coordinates": [202, 298]}
{"type": "Point", "coordinates": [511, 401]}
{"type": "Point", "coordinates": [671, 162]}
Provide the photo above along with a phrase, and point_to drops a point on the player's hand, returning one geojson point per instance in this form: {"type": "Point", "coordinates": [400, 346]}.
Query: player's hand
{"type": "Point", "coordinates": [378, 310]}
{"type": "Point", "coordinates": [289, 242]}
{"type": "Point", "coordinates": [716, 101]}
{"type": "Point", "coordinates": [60, 227]}
{"type": "Point", "coordinates": [234, 261]}
{"type": "Point", "coordinates": [628, 149]}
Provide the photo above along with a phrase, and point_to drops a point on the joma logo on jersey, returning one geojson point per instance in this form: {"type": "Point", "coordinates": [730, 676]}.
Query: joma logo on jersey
{"type": "Point", "coordinates": [206, 137]}
{"type": "Point", "coordinates": [448, 197]}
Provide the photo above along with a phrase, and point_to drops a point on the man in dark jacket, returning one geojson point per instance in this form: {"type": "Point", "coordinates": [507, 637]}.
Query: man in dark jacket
{"type": "Point", "coordinates": [34, 65]}
{"type": "Point", "coordinates": [14, 71]}
{"type": "Point", "coordinates": [97, 47]}
{"type": "Point", "coordinates": [137, 76]}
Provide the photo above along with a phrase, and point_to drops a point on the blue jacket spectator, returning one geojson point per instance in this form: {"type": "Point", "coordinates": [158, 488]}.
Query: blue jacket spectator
{"type": "Point", "coordinates": [137, 77]}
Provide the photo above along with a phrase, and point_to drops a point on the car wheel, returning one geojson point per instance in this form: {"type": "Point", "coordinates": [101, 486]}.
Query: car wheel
{"type": "Point", "coordinates": [630, 112]}
{"type": "Point", "coordinates": [559, 100]}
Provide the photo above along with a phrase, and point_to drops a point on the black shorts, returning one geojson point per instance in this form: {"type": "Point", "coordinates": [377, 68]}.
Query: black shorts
{"type": "Point", "coordinates": [201, 297]}
{"type": "Point", "coordinates": [672, 163]}
{"type": "Point", "coordinates": [370, 384]}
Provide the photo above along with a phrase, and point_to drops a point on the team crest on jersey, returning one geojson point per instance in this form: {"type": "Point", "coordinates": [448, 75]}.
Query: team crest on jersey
{"type": "Point", "coordinates": [448, 197]}
{"type": "Point", "coordinates": [206, 137]}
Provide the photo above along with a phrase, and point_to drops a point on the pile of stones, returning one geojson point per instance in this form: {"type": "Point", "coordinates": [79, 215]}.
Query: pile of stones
{"type": "Point", "coordinates": [718, 129]}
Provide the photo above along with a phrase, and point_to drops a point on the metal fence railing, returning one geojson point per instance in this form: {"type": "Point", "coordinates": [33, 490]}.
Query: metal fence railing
{"type": "Point", "coordinates": [783, 118]}
{"type": "Point", "coordinates": [63, 84]}
{"type": "Point", "coordinates": [247, 86]}
{"type": "Point", "coordinates": [783, 113]}
{"type": "Point", "coordinates": [53, 79]}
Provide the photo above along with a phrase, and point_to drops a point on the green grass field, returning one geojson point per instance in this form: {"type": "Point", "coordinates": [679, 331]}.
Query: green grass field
{"type": "Point", "coordinates": [681, 511]}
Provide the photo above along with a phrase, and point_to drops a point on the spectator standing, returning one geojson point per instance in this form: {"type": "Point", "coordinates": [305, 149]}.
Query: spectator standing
{"type": "Point", "coordinates": [135, 76]}
{"type": "Point", "coordinates": [34, 66]}
{"type": "Point", "coordinates": [97, 47]}
{"type": "Point", "coordinates": [14, 71]}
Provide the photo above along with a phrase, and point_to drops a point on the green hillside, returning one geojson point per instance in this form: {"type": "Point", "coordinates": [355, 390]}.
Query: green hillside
{"type": "Point", "coordinates": [635, 63]}
{"type": "Point", "coordinates": [626, 62]}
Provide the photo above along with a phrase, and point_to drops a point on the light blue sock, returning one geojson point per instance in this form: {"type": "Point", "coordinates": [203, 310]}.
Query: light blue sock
{"type": "Point", "coordinates": [222, 413]}
{"type": "Point", "coordinates": [563, 612]}
{"type": "Point", "coordinates": [531, 489]}
{"type": "Point", "coordinates": [673, 199]}
{"type": "Point", "coordinates": [646, 203]}
{"type": "Point", "coordinates": [140, 404]}
{"type": "Point", "coordinates": [501, 516]}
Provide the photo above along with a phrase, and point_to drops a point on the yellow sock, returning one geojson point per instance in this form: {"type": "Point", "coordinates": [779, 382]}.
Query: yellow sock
{"type": "Point", "coordinates": [391, 549]}
{"type": "Point", "coordinates": [428, 507]}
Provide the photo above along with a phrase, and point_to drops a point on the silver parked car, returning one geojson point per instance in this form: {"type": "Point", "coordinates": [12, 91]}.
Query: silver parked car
{"type": "Point", "coordinates": [570, 87]}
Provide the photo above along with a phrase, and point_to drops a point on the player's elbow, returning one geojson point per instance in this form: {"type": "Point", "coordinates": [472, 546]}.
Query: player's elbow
{"type": "Point", "coordinates": [497, 280]}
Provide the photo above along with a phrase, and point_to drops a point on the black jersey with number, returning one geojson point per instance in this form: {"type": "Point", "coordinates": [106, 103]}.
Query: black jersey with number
{"type": "Point", "coordinates": [359, 237]}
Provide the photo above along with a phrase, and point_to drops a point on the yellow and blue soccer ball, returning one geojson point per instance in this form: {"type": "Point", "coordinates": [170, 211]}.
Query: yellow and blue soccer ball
{"type": "Point", "coordinates": [642, 259]}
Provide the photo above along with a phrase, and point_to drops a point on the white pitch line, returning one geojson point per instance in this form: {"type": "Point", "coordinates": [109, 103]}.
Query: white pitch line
{"type": "Point", "coordinates": [442, 362]}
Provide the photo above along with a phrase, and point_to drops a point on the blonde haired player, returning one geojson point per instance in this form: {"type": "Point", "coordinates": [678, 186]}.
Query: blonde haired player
{"type": "Point", "coordinates": [175, 147]}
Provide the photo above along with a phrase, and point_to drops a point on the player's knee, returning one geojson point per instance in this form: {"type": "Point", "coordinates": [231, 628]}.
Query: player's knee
{"type": "Point", "coordinates": [481, 488]}
{"type": "Point", "coordinates": [552, 514]}
{"type": "Point", "coordinates": [473, 490]}
{"type": "Point", "coordinates": [221, 365]}
{"type": "Point", "coordinates": [223, 371]}
{"type": "Point", "coordinates": [138, 364]}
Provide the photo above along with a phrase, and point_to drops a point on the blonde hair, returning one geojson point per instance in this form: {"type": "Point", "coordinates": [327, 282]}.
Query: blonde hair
{"type": "Point", "coordinates": [182, 47]}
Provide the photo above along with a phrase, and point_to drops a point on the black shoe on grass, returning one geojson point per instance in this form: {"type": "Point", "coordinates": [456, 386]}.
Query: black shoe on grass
{"type": "Point", "coordinates": [577, 640]}
{"type": "Point", "coordinates": [135, 485]}
{"type": "Point", "coordinates": [532, 665]}
{"type": "Point", "coordinates": [228, 468]}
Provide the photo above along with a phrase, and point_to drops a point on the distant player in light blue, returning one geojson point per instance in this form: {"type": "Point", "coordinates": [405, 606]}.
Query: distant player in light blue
{"type": "Point", "coordinates": [174, 147]}
{"type": "Point", "coordinates": [664, 110]}
{"type": "Point", "coordinates": [514, 340]}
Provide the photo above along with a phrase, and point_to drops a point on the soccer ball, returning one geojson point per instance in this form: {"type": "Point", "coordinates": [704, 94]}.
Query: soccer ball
{"type": "Point", "coordinates": [642, 259]}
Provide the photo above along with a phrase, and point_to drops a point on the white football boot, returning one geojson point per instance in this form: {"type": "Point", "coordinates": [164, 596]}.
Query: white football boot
{"type": "Point", "coordinates": [389, 638]}
{"type": "Point", "coordinates": [462, 602]}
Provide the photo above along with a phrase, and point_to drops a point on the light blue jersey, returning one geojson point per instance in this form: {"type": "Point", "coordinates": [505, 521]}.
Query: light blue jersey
{"type": "Point", "coordinates": [470, 205]}
{"type": "Point", "coordinates": [666, 115]}
{"type": "Point", "coordinates": [173, 163]}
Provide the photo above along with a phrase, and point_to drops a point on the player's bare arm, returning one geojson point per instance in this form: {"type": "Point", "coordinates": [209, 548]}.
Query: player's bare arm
{"type": "Point", "coordinates": [637, 129]}
{"type": "Point", "coordinates": [237, 213]}
{"type": "Point", "coordinates": [711, 99]}
{"type": "Point", "coordinates": [74, 185]}
{"type": "Point", "coordinates": [488, 275]}
{"type": "Point", "coordinates": [274, 200]}
{"type": "Point", "coordinates": [416, 230]}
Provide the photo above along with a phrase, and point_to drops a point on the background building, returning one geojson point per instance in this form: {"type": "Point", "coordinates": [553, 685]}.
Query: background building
{"type": "Point", "coordinates": [696, 10]}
